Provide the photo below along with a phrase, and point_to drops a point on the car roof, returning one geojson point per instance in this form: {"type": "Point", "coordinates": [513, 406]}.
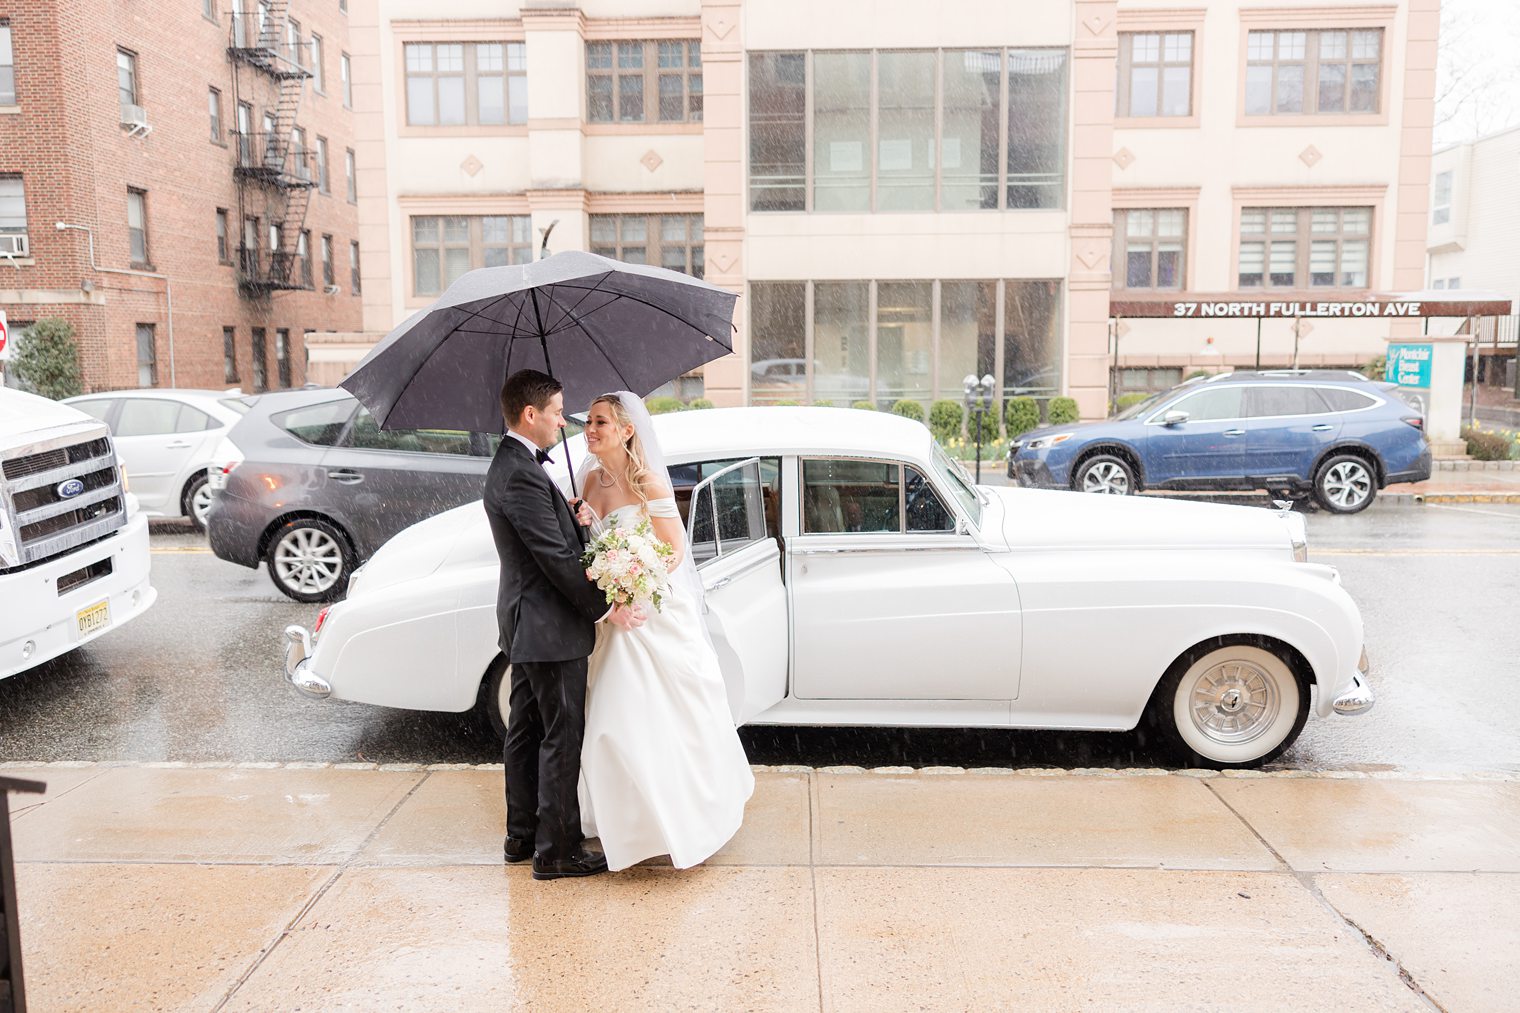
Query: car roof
{"type": "Point", "coordinates": [156, 392]}
{"type": "Point", "coordinates": [783, 429]}
{"type": "Point", "coordinates": [1291, 376]}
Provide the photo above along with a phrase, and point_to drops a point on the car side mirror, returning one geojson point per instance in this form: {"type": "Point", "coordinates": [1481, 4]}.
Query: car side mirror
{"type": "Point", "coordinates": [1174, 418]}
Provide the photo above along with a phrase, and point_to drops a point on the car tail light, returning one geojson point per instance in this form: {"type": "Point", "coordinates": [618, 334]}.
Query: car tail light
{"type": "Point", "coordinates": [321, 618]}
{"type": "Point", "coordinates": [1416, 421]}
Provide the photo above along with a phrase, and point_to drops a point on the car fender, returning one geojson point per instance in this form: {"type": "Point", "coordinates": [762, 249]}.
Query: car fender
{"type": "Point", "coordinates": [1099, 634]}
{"type": "Point", "coordinates": [1100, 442]}
{"type": "Point", "coordinates": [1360, 446]}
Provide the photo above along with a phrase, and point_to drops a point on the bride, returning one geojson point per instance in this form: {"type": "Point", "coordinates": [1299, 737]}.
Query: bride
{"type": "Point", "coordinates": [662, 768]}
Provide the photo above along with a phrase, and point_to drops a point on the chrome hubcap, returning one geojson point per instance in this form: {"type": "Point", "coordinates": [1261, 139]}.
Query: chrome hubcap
{"type": "Point", "coordinates": [200, 504]}
{"type": "Point", "coordinates": [308, 560]}
{"type": "Point", "coordinates": [1348, 484]}
{"type": "Point", "coordinates": [1235, 701]}
{"type": "Point", "coordinates": [1106, 477]}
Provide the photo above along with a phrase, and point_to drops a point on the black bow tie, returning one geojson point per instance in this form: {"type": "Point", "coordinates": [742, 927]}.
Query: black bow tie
{"type": "Point", "coordinates": [541, 456]}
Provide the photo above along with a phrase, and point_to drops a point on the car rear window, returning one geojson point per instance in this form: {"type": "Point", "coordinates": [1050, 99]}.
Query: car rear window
{"type": "Point", "coordinates": [237, 404]}
{"type": "Point", "coordinates": [1342, 400]}
{"type": "Point", "coordinates": [318, 424]}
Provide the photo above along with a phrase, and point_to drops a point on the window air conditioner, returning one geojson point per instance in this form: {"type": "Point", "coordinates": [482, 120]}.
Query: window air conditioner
{"type": "Point", "coordinates": [13, 245]}
{"type": "Point", "coordinates": [331, 289]}
{"type": "Point", "coordinates": [135, 117]}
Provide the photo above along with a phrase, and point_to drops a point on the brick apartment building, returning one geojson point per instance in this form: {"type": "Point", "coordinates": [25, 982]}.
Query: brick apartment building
{"type": "Point", "coordinates": [200, 154]}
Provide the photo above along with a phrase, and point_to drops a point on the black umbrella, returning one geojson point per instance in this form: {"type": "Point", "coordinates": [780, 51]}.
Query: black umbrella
{"type": "Point", "coordinates": [593, 323]}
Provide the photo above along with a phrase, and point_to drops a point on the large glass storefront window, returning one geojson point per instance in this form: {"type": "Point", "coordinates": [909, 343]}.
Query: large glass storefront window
{"type": "Point", "coordinates": [842, 132]}
{"type": "Point", "coordinates": [921, 341]}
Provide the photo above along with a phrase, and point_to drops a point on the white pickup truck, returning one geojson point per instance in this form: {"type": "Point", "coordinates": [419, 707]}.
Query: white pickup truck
{"type": "Point", "coordinates": [73, 545]}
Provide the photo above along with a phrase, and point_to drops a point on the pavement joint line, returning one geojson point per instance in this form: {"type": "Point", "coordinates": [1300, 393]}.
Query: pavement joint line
{"type": "Point", "coordinates": [760, 768]}
{"type": "Point", "coordinates": [1306, 880]}
{"type": "Point", "coordinates": [316, 898]}
{"type": "Point", "coordinates": [814, 824]}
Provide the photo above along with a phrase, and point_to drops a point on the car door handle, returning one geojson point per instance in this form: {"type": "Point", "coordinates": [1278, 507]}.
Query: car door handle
{"type": "Point", "coordinates": [720, 583]}
{"type": "Point", "coordinates": [1321, 428]}
{"type": "Point", "coordinates": [1234, 432]}
{"type": "Point", "coordinates": [345, 476]}
{"type": "Point", "coordinates": [178, 445]}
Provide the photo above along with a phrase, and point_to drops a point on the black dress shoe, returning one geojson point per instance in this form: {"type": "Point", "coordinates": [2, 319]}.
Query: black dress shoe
{"type": "Point", "coordinates": [515, 850]}
{"type": "Point", "coordinates": [578, 863]}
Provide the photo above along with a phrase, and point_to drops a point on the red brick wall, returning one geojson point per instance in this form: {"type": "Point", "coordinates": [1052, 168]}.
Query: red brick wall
{"type": "Point", "coordinates": [78, 163]}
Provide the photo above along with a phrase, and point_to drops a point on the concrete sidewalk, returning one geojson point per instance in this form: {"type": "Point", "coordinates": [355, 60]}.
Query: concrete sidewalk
{"type": "Point", "coordinates": [350, 887]}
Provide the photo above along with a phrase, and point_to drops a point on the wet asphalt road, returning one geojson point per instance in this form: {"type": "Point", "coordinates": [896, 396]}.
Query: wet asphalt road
{"type": "Point", "coordinates": [198, 678]}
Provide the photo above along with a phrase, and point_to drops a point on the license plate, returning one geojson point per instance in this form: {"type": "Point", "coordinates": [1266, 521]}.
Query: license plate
{"type": "Point", "coordinates": [96, 617]}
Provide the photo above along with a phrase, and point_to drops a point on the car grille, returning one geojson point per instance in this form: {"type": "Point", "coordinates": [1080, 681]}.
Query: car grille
{"type": "Point", "coordinates": [46, 524]}
{"type": "Point", "coordinates": [79, 578]}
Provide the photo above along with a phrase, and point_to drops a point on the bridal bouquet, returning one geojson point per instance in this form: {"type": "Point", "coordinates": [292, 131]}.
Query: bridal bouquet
{"type": "Point", "coordinates": [629, 565]}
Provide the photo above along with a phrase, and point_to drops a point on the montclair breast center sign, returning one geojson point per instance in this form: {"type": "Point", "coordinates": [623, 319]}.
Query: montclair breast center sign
{"type": "Point", "coordinates": [1408, 365]}
{"type": "Point", "coordinates": [1257, 310]}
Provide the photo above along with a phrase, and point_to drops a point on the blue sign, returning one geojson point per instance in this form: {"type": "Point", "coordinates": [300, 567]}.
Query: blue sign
{"type": "Point", "coordinates": [1408, 365]}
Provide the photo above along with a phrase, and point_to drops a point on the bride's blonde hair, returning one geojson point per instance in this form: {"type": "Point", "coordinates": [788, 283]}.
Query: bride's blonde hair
{"type": "Point", "coordinates": [636, 474]}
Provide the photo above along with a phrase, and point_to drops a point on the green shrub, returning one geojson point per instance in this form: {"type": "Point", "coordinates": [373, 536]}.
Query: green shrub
{"type": "Point", "coordinates": [661, 405]}
{"type": "Point", "coordinates": [787, 404]}
{"type": "Point", "coordinates": [47, 359]}
{"type": "Point", "coordinates": [696, 404]}
{"type": "Point", "coordinates": [816, 404]}
{"type": "Point", "coordinates": [1129, 401]}
{"type": "Point", "coordinates": [1062, 411]}
{"type": "Point", "coordinates": [864, 406]}
{"type": "Point", "coordinates": [1375, 369]}
{"type": "Point", "coordinates": [945, 418]}
{"type": "Point", "coordinates": [1490, 444]}
{"type": "Point", "coordinates": [1197, 373]}
{"type": "Point", "coordinates": [1022, 415]}
{"type": "Point", "coordinates": [989, 427]}
{"type": "Point", "coordinates": [908, 410]}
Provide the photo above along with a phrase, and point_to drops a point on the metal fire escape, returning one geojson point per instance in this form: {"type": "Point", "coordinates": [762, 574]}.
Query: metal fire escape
{"type": "Point", "coordinates": [274, 177]}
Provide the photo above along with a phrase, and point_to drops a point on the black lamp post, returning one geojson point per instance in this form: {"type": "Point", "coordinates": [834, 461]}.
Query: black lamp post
{"type": "Point", "coordinates": [978, 394]}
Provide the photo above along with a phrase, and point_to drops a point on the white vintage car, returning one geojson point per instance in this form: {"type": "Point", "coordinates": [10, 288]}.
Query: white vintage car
{"type": "Point", "coordinates": [855, 577]}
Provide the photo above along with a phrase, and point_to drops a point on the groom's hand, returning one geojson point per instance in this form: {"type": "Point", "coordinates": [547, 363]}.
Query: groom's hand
{"type": "Point", "coordinates": [627, 618]}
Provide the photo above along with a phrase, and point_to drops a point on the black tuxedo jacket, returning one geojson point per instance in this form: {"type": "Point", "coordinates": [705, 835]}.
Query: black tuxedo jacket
{"type": "Point", "coordinates": [545, 607]}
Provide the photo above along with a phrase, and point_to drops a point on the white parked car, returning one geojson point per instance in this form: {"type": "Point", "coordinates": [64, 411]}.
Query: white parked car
{"type": "Point", "coordinates": [855, 577]}
{"type": "Point", "coordinates": [165, 438]}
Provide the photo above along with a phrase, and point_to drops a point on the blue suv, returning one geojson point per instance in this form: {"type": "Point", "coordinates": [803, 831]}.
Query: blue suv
{"type": "Point", "coordinates": [1331, 434]}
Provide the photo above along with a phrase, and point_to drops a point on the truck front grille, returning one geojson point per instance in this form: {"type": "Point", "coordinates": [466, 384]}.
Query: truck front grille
{"type": "Point", "coordinates": [72, 519]}
{"type": "Point", "coordinates": [45, 523]}
{"type": "Point", "coordinates": [79, 578]}
{"type": "Point", "coordinates": [31, 464]}
{"type": "Point", "coordinates": [47, 495]}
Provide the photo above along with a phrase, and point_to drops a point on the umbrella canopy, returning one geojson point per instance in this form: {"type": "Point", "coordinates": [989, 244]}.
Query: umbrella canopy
{"type": "Point", "coordinates": [593, 323]}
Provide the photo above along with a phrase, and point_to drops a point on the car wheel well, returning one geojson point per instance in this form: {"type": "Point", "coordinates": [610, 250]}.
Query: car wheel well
{"type": "Point", "coordinates": [296, 515]}
{"type": "Point", "coordinates": [184, 492]}
{"type": "Point", "coordinates": [489, 714]}
{"type": "Point", "coordinates": [1116, 449]}
{"type": "Point", "coordinates": [1291, 655]}
{"type": "Point", "coordinates": [1372, 457]}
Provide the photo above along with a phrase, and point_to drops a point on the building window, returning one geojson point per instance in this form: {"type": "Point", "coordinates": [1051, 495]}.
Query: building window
{"type": "Point", "coordinates": [282, 355]}
{"type": "Point", "coordinates": [249, 250]}
{"type": "Point", "coordinates": [917, 130]}
{"type": "Point", "coordinates": [673, 241]}
{"type": "Point", "coordinates": [223, 253]}
{"type": "Point", "coordinates": [214, 106]}
{"type": "Point", "coordinates": [644, 82]}
{"type": "Point", "coordinates": [299, 152]}
{"type": "Point", "coordinates": [137, 225]}
{"type": "Point", "coordinates": [1304, 247]}
{"type": "Point", "coordinates": [346, 74]}
{"type": "Point", "coordinates": [303, 258]}
{"type": "Point", "coordinates": [348, 172]}
{"type": "Point", "coordinates": [450, 84]}
{"type": "Point", "coordinates": [353, 267]}
{"type": "Point", "coordinates": [7, 66]}
{"type": "Point", "coordinates": [208, 9]}
{"type": "Point", "coordinates": [318, 75]}
{"type": "Point", "coordinates": [322, 179]}
{"type": "Point", "coordinates": [821, 342]}
{"type": "Point", "coordinates": [1440, 211]}
{"type": "Point", "coordinates": [293, 47]}
{"type": "Point", "coordinates": [13, 235]}
{"type": "Point", "coordinates": [1151, 244]}
{"type": "Point", "coordinates": [245, 134]}
{"type": "Point", "coordinates": [1298, 72]}
{"type": "Point", "coordinates": [1138, 380]}
{"type": "Point", "coordinates": [343, 6]}
{"type": "Point", "coordinates": [147, 357]}
{"type": "Point", "coordinates": [445, 247]}
{"type": "Point", "coordinates": [1155, 74]}
{"type": "Point", "coordinates": [126, 78]}
{"type": "Point", "coordinates": [260, 362]}
{"type": "Point", "coordinates": [229, 355]}
{"type": "Point", "coordinates": [328, 279]}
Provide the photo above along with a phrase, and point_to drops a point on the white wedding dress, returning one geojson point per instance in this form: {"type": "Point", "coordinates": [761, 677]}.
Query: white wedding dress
{"type": "Point", "coordinates": [662, 768]}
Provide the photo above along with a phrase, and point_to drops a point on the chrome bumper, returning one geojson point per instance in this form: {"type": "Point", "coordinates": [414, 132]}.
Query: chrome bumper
{"type": "Point", "coordinates": [298, 665]}
{"type": "Point", "coordinates": [1359, 698]}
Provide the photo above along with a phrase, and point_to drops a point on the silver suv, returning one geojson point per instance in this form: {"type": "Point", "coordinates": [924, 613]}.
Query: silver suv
{"type": "Point", "coordinates": [319, 487]}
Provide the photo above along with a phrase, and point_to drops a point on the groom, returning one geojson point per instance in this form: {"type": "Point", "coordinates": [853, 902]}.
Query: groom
{"type": "Point", "coordinates": [547, 611]}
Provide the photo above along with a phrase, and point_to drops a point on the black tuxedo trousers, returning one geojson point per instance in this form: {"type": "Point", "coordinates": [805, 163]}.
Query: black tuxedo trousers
{"type": "Point", "coordinates": [547, 612]}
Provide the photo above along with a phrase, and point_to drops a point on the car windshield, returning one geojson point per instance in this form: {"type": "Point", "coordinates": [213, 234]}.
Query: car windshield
{"type": "Point", "coordinates": [1144, 406]}
{"type": "Point", "coordinates": [954, 477]}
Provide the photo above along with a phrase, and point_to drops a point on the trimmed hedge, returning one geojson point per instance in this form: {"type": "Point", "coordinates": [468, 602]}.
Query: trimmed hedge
{"type": "Point", "coordinates": [1129, 401]}
{"type": "Point", "coordinates": [863, 406]}
{"type": "Point", "coordinates": [990, 430]}
{"type": "Point", "coordinates": [1063, 410]}
{"type": "Point", "coordinates": [698, 403]}
{"type": "Point", "coordinates": [1022, 415]}
{"type": "Point", "coordinates": [661, 405]}
{"type": "Point", "coordinates": [908, 410]}
{"type": "Point", "coordinates": [945, 419]}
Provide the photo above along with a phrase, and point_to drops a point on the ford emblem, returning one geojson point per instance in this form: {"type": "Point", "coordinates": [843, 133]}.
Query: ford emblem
{"type": "Point", "coordinates": [68, 490]}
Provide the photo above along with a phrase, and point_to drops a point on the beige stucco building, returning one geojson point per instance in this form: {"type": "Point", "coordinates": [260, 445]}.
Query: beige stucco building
{"type": "Point", "coordinates": [903, 197]}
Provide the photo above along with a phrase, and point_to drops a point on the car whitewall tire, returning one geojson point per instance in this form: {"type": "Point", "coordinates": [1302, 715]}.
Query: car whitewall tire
{"type": "Point", "coordinates": [496, 697]}
{"type": "Point", "coordinates": [1235, 705]}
